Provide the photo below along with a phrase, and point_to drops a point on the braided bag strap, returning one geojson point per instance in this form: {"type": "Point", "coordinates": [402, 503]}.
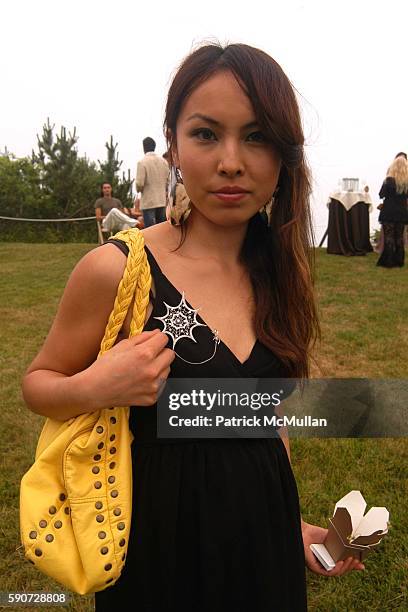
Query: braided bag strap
{"type": "Point", "coordinates": [135, 283]}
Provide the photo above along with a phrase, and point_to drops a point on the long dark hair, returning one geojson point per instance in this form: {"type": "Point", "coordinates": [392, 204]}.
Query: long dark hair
{"type": "Point", "coordinates": [278, 257]}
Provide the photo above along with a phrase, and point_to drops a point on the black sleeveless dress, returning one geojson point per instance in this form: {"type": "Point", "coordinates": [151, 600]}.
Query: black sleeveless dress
{"type": "Point", "coordinates": [215, 523]}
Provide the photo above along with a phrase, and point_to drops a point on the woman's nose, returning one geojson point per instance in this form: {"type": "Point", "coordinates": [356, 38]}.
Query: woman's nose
{"type": "Point", "coordinates": [230, 162]}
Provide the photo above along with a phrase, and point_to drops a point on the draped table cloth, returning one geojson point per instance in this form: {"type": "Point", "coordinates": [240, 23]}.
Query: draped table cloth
{"type": "Point", "coordinates": [349, 224]}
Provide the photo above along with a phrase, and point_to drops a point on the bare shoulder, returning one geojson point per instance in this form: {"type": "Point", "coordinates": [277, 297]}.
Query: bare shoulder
{"type": "Point", "coordinates": [161, 238]}
{"type": "Point", "coordinates": [75, 335]}
{"type": "Point", "coordinates": [99, 268]}
{"type": "Point", "coordinates": [94, 281]}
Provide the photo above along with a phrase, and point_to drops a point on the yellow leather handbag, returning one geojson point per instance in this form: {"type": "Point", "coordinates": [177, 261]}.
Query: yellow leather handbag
{"type": "Point", "coordinates": [76, 500]}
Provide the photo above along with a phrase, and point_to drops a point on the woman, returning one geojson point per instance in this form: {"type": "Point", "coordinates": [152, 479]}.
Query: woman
{"type": "Point", "coordinates": [216, 523]}
{"type": "Point", "coordinates": [394, 213]}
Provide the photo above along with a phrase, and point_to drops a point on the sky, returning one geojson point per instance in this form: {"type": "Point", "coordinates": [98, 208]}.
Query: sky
{"type": "Point", "coordinates": [105, 67]}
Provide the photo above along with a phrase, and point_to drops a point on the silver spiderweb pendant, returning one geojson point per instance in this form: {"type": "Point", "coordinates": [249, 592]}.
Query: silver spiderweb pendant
{"type": "Point", "coordinates": [180, 321]}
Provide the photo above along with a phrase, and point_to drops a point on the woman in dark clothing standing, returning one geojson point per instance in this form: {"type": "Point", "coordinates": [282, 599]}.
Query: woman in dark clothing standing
{"type": "Point", "coordinates": [394, 212]}
{"type": "Point", "coordinates": [216, 523]}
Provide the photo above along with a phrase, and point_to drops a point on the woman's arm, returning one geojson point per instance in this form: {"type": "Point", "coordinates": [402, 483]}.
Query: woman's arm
{"type": "Point", "coordinates": [65, 379]}
{"type": "Point", "coordinates": [312, 534]}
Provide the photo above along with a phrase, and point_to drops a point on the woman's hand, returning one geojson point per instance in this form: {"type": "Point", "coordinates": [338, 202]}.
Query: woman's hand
{"type": "Point", "coordinates": [312, 534]}
{"type": "Point", "coordinates": [131, 373]}
{"type": "Point", "coordinates": [66, 379]}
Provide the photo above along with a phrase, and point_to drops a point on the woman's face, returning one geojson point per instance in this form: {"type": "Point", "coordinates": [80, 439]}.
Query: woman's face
{"type": "Point", "coordinates": [229, 170]}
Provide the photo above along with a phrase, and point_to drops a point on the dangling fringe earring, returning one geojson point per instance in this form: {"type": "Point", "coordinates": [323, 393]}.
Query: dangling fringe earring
{"type": "Point", "coordinates": [266, 213]}
{"type": "Point", "coordinates": [178, 203]}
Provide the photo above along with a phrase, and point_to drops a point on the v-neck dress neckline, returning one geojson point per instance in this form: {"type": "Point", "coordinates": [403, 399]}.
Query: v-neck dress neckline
{"type": "Point", "coordinates": [157, 271]}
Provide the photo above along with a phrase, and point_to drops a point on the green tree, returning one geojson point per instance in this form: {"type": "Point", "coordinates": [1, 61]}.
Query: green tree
{"type": "Point", "coordinates": [124, 190]}
{"type": "Point", "coordinates": [20, 190]}
{"type": "Point", "coordinates": [122, 187]}
{"type": "Point", "coordinates": [56, 160]}
{"type": "Point", "coordinates": [70, 183]}
{"type": "Point", "coordinates": [85, 188]}
{"type": "Point", "coordinates": [111, 167]}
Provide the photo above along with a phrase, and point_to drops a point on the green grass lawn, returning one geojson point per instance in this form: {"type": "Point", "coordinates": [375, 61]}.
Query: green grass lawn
{"type": "Point", "coordinates": [364, 314]}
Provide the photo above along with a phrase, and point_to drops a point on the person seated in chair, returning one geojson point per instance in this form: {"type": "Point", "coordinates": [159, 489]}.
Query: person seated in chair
{"type": "Point", "coordinates": [136, 213]}
{"type": "Point", "coordinates": [111, 212]}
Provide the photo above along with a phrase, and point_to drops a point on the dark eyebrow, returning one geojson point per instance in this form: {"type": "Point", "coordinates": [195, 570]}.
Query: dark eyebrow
{"type": "Point", "coordinates": [214, 122]}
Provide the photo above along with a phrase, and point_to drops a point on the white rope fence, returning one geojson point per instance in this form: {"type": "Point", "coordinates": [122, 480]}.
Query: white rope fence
{"type": "Point", "coordinates": [47, 220]}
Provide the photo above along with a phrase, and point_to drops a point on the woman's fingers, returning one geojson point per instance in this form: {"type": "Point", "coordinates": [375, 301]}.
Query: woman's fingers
{"type": "Point", "coordinates": [143, 336]}
{"type": "Point", "coordinates": [164, 359]}
{"type": "Point", "coordinates": [153, 341]}
{"type": "Point", "coordinates": [131, 373]}
{"type": "Point", "coordinates": [153, 350]}
{"type": "Point", "coordinates": [356, 565]}
{"type": "Point", "coordinates": [341, 567]}
{"type": "Point", "coordinates": [351, 564]}
{"type": "Point", "coordinates": [346, 566]}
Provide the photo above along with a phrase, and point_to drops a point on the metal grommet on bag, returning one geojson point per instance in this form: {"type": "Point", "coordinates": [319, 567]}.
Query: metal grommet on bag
{"type": "Point", "coordinates": [95, 469]}
{"type": "Point", "coordinates": [121, 526]}
{"type": "Point", "coordinates": [104, 550]}
{"type": "Point", "coordinates": [122, 542]}
{"type": "Point", "coordinates": [98, 505]}
{"type": "Point", "coordinates": [99, 518]}
{"type": "Point", "coordinates": [33, 535]}
{"type": "Point", "coordinates": [108, 567]}
{"type": "Point", "coordinates": [49, 537]}
{"type": "Point", "coordinates": [114, 493]}
{"type": "Point", "coordinates": [99, 429]}
{"type": "Point", "coordinates": [102, 535]}
{"type": "Point", "coordinates": [97, 457]}
{"type": "Point", "coordinates": [58, 524]}
{"type": "Point", "coordinates": [111, 479]}
{"type": "Point", "coordinates": [43, 524]}
{"type": "Point", "coordinates": [38, 552]}
{"type": "Point", "coordinates": [117, 512]}
{"type": "Point", "coordinates": [98, 484]}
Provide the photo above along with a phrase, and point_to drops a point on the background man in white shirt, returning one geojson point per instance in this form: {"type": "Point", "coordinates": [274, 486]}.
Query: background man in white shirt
{"type": "Point", "coordinates": [151, 181]}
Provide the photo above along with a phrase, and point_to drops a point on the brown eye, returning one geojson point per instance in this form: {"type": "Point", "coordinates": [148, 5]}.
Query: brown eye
{"type": "Point", "coordinates": [256, 137]}
{"type": "Point", "coordinates": [204, 134]}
